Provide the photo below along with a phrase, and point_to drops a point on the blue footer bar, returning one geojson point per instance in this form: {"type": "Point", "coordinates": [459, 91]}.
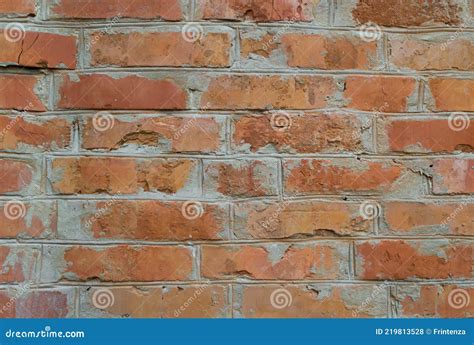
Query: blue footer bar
{"type": "Point", "coordinates": [236, 331]}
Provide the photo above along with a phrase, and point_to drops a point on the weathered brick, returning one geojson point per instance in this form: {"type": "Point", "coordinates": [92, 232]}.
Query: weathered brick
{"type": "Point", "coordinates": [311, 301]}
{"type": "Point", "coordinates": [425, 53]}
{"type": "Point", "coordinates": [163, 134]}
{"type": "Point", "coordinates": [262, 92]}
{"type": "Point", "coordinates": [413, 218]}
{"type": "Point", "coordinates": [424, 135]}
{"type": "Point", "coordinates": [307, 133]}
{"type": "Point", "coordinates": [453, 176]}
{"type": "Point", "coordinates": [100, 91]}
{"type": "Point", "coordinates": [451, 94]}
{"type": "Point", "coordinates": [347, 175]}
{"type": "Point", "coordinates": [19, 92]}
{"type": "Point", "coordinates": [321, 260]}
{"type": "Point", "coordinates": [196, 301]}
{"type": "Point", "coordinates": [21, 8]}
{"type": "Point", "coordinates": [36, 219]}
{"type": "Point", "coordinates": [39, 49]}
{"type": "Point", "coordinates": [298, 219]}
{"type": "Point", "coordinates": [34, 134]}
{"type": "Point", "coordinates": [134, 49]}
{"type": "Point", "coordinates": [19, 263]}
{"type": "Point", "coordinates": [240, 178]}
{"type": "Point", "coordinates": [117, 263]}
{"type": "Point", "coordinates": [114, 175]}
{"type": "Point", "coordinates": [440, 300]}
{"type": "Point", "coordinates": [407, 260]}
{"type": "Point", "coordinates": [261, 11]}
{"type": "Point", "coordinates": [18, 176]}
{"type": "Point", "coordinates": [379, 93]}
{"type": "Point", "coordinates": [144, 9]}
{"type": "Point", "coordinates": [22, 302]}
{"type": "Point", "coordinates": [142, 220]}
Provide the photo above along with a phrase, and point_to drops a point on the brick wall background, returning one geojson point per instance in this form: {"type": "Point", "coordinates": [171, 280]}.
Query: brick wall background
{"type": "Point", "coordinates": [236, 158]}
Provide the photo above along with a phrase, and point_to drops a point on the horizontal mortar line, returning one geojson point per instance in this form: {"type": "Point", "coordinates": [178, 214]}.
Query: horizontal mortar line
{"type": "Point", "coordinates": [81, 284]}
{"type": "Point", "coordinates": [78, 23]}
{"type": "Point", "coordinates": [332, 198]}
{"type": "Point", "coordinates": [270, 71]}
{"type": "Point", "coordinates": [217, 243]}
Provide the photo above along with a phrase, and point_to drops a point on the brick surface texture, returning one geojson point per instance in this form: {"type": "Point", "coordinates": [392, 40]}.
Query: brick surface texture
{"type": "Point", "coordinates": [236, 158]}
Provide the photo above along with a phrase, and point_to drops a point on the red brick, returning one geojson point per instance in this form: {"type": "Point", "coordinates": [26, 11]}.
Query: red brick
{"type": "Point", "coordinates": [306, 133]}
{"type": "Point", "coordinates": [100, 91]}
{"type": "Point", "coordinates": [311, 301]}
{"type": "Point", "coordinates": [16, 175]}
{"type": "Point", "coordinates": [262, 92]}
{"type": "Point", "coordinates": [166, 134]}
{"type": "Point", "coordinates": [405, 260]}
{"type": "Point", "coordinates": [39, 49]}
{"type": "Point", "coordinates": [160, 49]}
{"type": "Point", "coordinates": [451, 94]}
{"type": "Point", "coordinates": [19, 263]}
{"type": "Point", "coordinates": [87, 175]}
{"type": "Point", "coordinates": [196, 301]}
{"type": "Point", "coordinates": [322, 260]}
{"type": "Point", "coordinates": [379, 93]}
{"type": "Point", "coordinates": [118, 263]}
{"type": "Point", "coordinates": [329, 52]}
{"type": "Point", "coordinates": [18, 92]}
{"type": "Point", "coordinates": [408, 12]}
{"type": "Point", "coordinates": [426, 54]}
{"type": "Point", "coordinates": [146, 220]}
{"type": "Point", "coordinates": [240, 178]}
{"type": "Point", "coordinates": [144, 9]}
{"type": "Point", "coordinates": [411, 218]}
{"type": "Point", "coordinates": [26, 303]}
{"type": "Point", "coordinates": [440, 300]}
{"type": "Point", "coordinates": [36, 219]}
{"type": "Point", "coordinates": [433, 135]}
{"type": "Point", "coordinates": [261, 11]}
{"type": "Point", "coordinates": [32, 134]}
{"type": "Point", "coordinates": [343, 175]}
{"type": "Point", "coordinates": [453, 176]}
{"type": "Point", "coordinates": [298, 219]}
{"type": "Point", "coordinates": [20, 7]}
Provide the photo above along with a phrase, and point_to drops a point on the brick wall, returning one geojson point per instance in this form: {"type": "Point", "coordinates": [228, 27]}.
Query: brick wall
{"type": "Point", "coordinates": [236, 158]}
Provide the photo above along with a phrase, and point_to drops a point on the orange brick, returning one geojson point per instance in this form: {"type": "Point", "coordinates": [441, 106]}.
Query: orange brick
{"type": "Point", "coordinates": [454, 176]}
{"type": "Point", "coordinates": [18, 92]}
{"type": "Point", "coordinates": [451, 94]}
